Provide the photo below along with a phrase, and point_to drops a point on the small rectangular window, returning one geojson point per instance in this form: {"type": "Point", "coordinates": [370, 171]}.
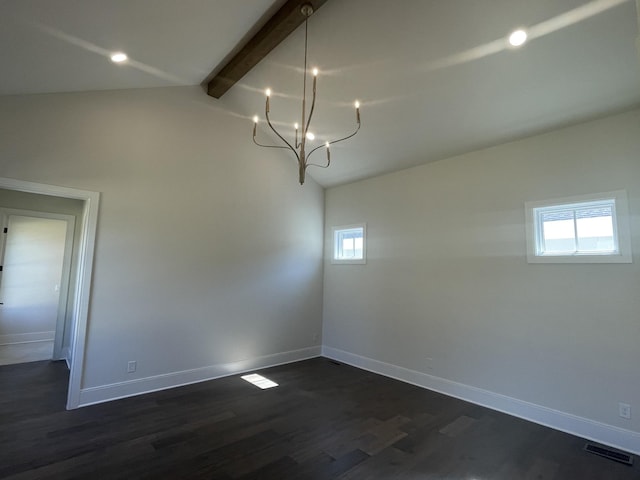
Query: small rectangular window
{"type": "Point", "coordinates": [349, 244]}
{"type": "Point", "coordinates": [586, 229]}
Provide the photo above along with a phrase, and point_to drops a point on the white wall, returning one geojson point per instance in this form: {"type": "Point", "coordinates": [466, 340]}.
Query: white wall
{"type": "Point", "coordinates": [208, 252]}
{"type": "Point", "coordinates": [447, 293]}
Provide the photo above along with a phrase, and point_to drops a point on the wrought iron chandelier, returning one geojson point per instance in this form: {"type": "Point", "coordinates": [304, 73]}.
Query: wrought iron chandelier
{"type": "Point", "coordinates": [303, 134]}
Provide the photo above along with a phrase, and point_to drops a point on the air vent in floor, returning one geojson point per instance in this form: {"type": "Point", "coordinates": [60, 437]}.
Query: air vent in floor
{"type": "Point", "coordinates": [609, 453]}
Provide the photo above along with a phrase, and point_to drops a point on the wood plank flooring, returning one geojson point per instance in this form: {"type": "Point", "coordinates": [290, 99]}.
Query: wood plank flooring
{"type": "Point", "coordinates": [324, 421]}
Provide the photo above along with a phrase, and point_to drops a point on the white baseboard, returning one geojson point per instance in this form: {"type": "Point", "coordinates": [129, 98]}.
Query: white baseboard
{"type": "Point", "coordinates": [616, 437]}
{"type": "Point", "coordinates": [14, 338]}
{"type": "Point", "coordinates": [139, 386]}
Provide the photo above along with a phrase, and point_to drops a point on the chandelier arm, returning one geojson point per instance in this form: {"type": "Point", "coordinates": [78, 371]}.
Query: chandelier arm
{"type": "Point", "coordinates": [280, 136]}
{"type": "Point", "coordinates": [317, 164]}
{"type": "Point", "coordinates": [321, 166]}
{"type": "Point", "coordinates": [255, 125]}
{"type": "Point", "coordinates": [317, 148]}
{"type": "Point", "coordinates": [335, 141]}
{"type": "Point", "coordinates": [269, 146]}
{"type": "Point", "coordinates": [347, 137]}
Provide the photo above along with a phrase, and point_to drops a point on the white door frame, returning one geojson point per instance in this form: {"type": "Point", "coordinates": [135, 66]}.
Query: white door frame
{"type": "Point", "coordinates": [80, 307]}
{"type": "Point", "coordinates": [63, 294]}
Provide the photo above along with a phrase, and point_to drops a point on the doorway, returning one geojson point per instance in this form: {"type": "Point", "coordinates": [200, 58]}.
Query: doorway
{"type": "Point", "coordinates": [35, 258]}
{"type": "Point", "coordinates": [80, 281]}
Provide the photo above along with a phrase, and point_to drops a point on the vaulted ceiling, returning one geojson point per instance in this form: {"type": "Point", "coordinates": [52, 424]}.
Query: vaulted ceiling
{"type": "Point", "coordinates": [435, 78]}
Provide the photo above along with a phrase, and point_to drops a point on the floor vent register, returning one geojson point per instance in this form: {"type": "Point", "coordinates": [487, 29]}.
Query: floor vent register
{"type": "Point", "coordinates": [614, 455]}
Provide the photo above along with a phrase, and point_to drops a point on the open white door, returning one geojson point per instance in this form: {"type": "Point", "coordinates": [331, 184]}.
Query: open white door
{"type": "Point", "coordinates": [34, 281]}
{"type": "Point", "coordinates": [82, 289]}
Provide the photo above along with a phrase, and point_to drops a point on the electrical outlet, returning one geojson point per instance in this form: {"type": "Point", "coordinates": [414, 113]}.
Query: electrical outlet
{"type": "Point", "coordinates": [131, 366]}
{"type": "Point", "coordinates": [624, 410]}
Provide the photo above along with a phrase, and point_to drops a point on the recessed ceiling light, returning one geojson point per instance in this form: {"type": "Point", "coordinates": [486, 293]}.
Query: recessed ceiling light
{"type": "Point", "coordinates": [119, 57]}
{"type": "Point", "coordinates": [518, 38]}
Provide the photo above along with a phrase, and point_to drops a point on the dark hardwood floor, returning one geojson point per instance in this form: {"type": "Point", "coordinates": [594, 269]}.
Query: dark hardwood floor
{"type": "Point", "coordinates": [323, 421]}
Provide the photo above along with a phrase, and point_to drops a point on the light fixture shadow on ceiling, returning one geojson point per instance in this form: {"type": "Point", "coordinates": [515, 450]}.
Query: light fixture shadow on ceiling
{"type": "Point", "coordinates": [91, 47]}
{"type": "Point", "coordinates": [333, 72]}
{"type": "Point", "coordinates": [227, 111]}
{"type": "Point", "coordinates": [253, 89]}
{"type": "Point", "coordinates": [298, 97]}
{"type": "Point", "coordinates": [336, 71]}
{"type": "Point", "coordinates": [286, 126]}
{"type": "Point", "coordinates": [546, 27]}
{"type": "Point", "coordinates": [219, 106]}
{"type": "Point", "coordinates": [331, 103]}
{"type": "Point", "coordinates": [536, 31]}
{"type": "Point", "coordinates": [286, 66]}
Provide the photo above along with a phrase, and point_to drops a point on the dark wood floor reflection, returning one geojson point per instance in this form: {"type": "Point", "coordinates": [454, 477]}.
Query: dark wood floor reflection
{"type": "Point", "coordinates": [323, 421]}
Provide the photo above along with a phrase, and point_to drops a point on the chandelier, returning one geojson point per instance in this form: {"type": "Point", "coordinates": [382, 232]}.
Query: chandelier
{"type": "Point", "coordinates": [302, 133]}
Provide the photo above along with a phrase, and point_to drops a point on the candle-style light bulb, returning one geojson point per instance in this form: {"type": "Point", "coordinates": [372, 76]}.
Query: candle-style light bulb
{"type": "Point", "coordinates": [326, 144]}
{"type": "Point", "coordinates": [357, 104]}
{"type": "Point", "coordinates": [267, 106]}
{"type": "Point", "coordinates": [311, 136]}
{"type": "Point", "coordinates": [315, 72]}
{"type": "Point", "coordinates": [295, 125]}
{"type": "Point", "coordinates": [255, 119]}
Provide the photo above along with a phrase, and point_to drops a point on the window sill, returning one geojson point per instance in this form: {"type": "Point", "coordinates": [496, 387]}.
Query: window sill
{"type": "Point", "coordinates": [580, 258]}
{"type": "Point", "coordinates": [360, 261]}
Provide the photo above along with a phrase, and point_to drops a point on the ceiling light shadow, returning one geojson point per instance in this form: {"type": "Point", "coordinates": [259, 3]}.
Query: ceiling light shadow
{"type": "Point", "coordinates": [90, 47]}
{"type": "Point", "coordinates": [543, 28]}
{"type": "Point", "coordinates": [253, 89]}
{"type": "Point", "coordinates": [233, 113]}
{"type": "Point", "coordinates": [337, 71]}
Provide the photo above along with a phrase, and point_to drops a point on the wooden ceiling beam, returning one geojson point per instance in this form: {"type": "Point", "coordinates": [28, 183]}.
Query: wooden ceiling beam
{"type": "Point", "coordinates": [277, 28]}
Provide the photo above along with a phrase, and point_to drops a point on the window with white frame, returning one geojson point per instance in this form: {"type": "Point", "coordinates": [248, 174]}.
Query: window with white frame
{"type": "Point", "coordinates": [349, 244]}
{"type": "Point", "coordinates": [584, 229]}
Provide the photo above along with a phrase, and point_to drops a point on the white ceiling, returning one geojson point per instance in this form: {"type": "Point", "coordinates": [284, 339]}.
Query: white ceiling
{"type": "Point", "coordinates": [434, 77]}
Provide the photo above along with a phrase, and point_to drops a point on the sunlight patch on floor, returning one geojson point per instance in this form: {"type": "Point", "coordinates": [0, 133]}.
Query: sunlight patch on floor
{"type": "Point", "coordinates": [259, 381]}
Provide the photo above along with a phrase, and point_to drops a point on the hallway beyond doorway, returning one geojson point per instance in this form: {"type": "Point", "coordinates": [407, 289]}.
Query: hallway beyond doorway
{"type": "Point", "coordinates": [26, 352]}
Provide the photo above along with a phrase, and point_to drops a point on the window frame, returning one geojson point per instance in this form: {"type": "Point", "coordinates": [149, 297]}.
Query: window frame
{"type": "Point", "coordinates": [620, 221]}
{"type": "Point", "coordinates": [335, 231]}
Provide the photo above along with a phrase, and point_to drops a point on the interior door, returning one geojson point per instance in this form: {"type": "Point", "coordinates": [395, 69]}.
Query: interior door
{"type": "Point", "coordinates": [33, 278]}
